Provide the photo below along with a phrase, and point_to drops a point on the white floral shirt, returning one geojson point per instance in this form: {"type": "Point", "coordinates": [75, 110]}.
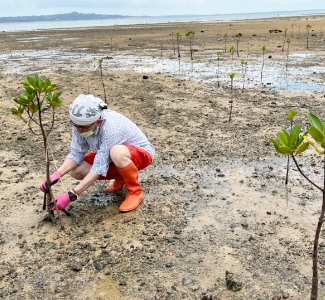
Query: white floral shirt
{"type": "Point", "coordinates": [115, 130]}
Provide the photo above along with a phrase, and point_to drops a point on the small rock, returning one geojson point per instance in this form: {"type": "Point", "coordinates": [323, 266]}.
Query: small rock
{"type": "Point", "coordinates": [76, 266]}
{"type": "Point", "coordinates": [169, 264]}
{"type": "Point", "coordinates": [285, 295]}
{"type": "Point", "coordinates": [171, 240]}
{"type": "Point", "coordinates": [99, 266]}
{"type": "Point", "coordinates": [187, 281]}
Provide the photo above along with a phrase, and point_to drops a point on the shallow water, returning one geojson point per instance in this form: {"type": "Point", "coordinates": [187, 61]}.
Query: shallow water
{"type": "Point", "coordinates": [276, 74]}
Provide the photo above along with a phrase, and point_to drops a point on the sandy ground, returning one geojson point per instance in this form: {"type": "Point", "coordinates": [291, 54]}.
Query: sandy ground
{"type": "Point", "coordinates": [215, 195]}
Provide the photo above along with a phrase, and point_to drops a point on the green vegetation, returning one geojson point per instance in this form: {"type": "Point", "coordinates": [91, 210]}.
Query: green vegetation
{"type": "Point", "coordinates": [292, 144]}
{"type": "Point", "coordinates": [190, 38]}
{"type": "Point", "coordinates": [36, 107]}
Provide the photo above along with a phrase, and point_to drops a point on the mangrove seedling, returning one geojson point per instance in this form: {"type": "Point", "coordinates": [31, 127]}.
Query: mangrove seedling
{"type": "Point", "coordinates": [290, 115]}
{"type": "Point", "coordinates": [100, 66]}
{"type": "Point", "coordinates": [173, 41]}
{"type": "Point", "coordinates": [308, 27]}
{"type": "Point", "coordinates": [243, 70]}
{"type": "Point", "coordinates": [248, 48]}
{"type": "Point", "coordinates": [237, 37]}
{"type": "Point", "coordinates": [178, 41]}
{"type": "Point", "coordinates": [232, 51]}
{"type": "Point", "coordinates": [225, 37]}
{"type": "Point", "coordinates": [291, 144]}
{"type": "Point", "coordinates": [218, 59]}
{"type": "Point", "coordinates": [263, 49]}
{"type": "Point", "coordinates": [37, 107]}
{"type": "Point", "coordinates": [232, 76]}
{"type": "Point", "coordinates": [190, 38]}
{"type": "Point", "coordinates": [285, 38]}
{"type": "Point", "coordinates": [288, 49]}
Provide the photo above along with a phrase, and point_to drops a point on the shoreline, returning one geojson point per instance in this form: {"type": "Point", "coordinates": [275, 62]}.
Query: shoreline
{"type": "Point", "coordinates": [154, 20]}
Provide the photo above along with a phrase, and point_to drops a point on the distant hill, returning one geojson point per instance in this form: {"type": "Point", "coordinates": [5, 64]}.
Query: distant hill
{"type": "Point", "coordinates": [60, 17]}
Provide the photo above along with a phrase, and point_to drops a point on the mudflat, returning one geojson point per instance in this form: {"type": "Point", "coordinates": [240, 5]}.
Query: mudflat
{"type": "Point", "coordinates": [215, 198]}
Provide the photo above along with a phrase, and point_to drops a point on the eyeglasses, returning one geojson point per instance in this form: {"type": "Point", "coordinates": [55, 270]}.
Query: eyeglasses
{"type": "Point", "coordinates": [81, 127]}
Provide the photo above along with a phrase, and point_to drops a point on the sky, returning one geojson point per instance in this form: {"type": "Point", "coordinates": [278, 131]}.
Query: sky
{"type": "Point", "coordinates": [11, 8]}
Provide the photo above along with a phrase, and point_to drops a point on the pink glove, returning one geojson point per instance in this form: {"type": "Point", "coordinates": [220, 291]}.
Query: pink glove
{"type": "Point", "coordinates": [62, 201]}
{"type": "Point", "coordinates": [54, 178]}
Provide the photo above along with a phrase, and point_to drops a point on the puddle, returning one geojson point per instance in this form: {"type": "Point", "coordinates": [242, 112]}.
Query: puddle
{"type": "Point", "coordinates": [33, 39]}
{"type": "Point", "coordinates": [277, 74]}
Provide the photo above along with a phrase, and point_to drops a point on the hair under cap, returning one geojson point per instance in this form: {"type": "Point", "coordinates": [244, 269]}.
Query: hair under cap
{"type": "Point", "coordinates": [86, 109]}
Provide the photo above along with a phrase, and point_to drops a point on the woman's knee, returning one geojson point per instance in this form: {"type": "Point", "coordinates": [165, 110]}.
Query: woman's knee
{"type": "Point", "coordinates": [120, 155]}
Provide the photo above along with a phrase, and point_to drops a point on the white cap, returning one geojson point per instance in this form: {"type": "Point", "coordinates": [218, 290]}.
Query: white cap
{"type": "Point", "coordinates": [86, 109]}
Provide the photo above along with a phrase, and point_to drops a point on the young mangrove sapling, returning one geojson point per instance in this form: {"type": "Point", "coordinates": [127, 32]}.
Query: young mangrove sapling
{"type": "Point", "coordinates": [100, 66]}
{"type": "Point", "coordinates": [288, 49]}
{"type": "Point", "coordinates": [218, 59]}
{"type": "Point", "coordinates": [190, 38]}
{"type": "Point", "coordinates": [285, 38]}
{"type": "Point", "coordinates": [243, 70]}
{"type": "Point", "coordinates": [308, 27]}
{"type": "Point", "coordinates": [232, 51]}
{"type": "Point", "coordinates": [232, 76]}
{"type": "Point", "coordinates": [237, 37]}
{"type": "Point", "coordinates": [178, 41]}
{"type": "Point", "coordinates": [225, 37]}
{"type": "Point", "coordinates": [290, 115]}
{"type": "Point", "coordinates": [291, 144]}
{"type": "Point", "coordinates": [173, 41]}
{"type": "Point", "coordinates": [36, 107]}
{"type": "Point", "coordinates": [263, 49]}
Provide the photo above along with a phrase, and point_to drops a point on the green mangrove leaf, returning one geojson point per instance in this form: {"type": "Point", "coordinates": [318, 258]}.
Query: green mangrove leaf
{"type": "Point", "coordinates": [293, 139]}
{"type": "Point", "coordinates": [303, 147]}
{"type": "Point", "coordinates": [291, 114]}
{"type": "Point", "coordinates": [284, 136]}
{"type": "Point", "coordinates": [285, 150]}
{"type": "Point", "coordinates": [314, 121]}
{"type": "Point", "coordinates": [316, 134]}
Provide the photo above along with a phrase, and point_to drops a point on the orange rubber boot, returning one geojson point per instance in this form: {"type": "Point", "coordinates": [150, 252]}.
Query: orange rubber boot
{"type": "Point", "coordinates": [115, 186]}
{"type": "Point", "coordinates": [135, 194]}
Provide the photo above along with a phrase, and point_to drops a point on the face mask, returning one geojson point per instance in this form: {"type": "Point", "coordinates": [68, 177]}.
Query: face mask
{"type": "Point", "coordinates": [89, 133]}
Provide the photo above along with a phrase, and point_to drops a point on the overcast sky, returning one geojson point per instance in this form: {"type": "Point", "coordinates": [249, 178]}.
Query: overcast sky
{"type": "Point", "coordinates": [152, 7]}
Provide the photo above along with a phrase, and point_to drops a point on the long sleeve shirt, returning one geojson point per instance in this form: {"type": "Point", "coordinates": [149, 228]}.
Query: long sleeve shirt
{"type": "Point", "coordinates": [116, 129]}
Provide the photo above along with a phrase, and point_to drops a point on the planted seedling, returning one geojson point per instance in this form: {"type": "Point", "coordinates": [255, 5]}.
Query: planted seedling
{"type": "Point", "coordinates": [290, 115]}
{"type": "Point", "coordinates": [237, 37]}
{"type": "Point", "coordinates": [178, 41]}
{"type": "Point", "coordinates": [308, 27]}
{"type": "Point", "coordinates": [100, 66]}
{"type": "Point", "coordinates": [232, 76]}
{"type": "Point", "coordinates": [36, 107]}
{"type": "Point", "coordinates": [225, 37]}
{"type": "Point", "coordinates": [248, 48]}
{"type": "Point", "coordinates": [232, 51]}
{"type": "Point", "coordinates": [263, 50]}
{"type": "Point", "coordinates": [218, 60]}
{"type": "Point", "coordinates": [292, 144]}
{"type": "Point", "coordinates": [243, 70]}
{"type": "Point", "coordinates": [288, 51]}
{"type": "Point", "coordinates": [173, 41]}
{"type": "Point", "coordinates": [190, 38]}
{"type": "Point", "coordinates": [285, 38]}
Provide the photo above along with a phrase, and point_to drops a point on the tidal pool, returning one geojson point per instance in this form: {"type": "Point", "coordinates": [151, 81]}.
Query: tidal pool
{"type": "Point", "coordinates": [299, 73]}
